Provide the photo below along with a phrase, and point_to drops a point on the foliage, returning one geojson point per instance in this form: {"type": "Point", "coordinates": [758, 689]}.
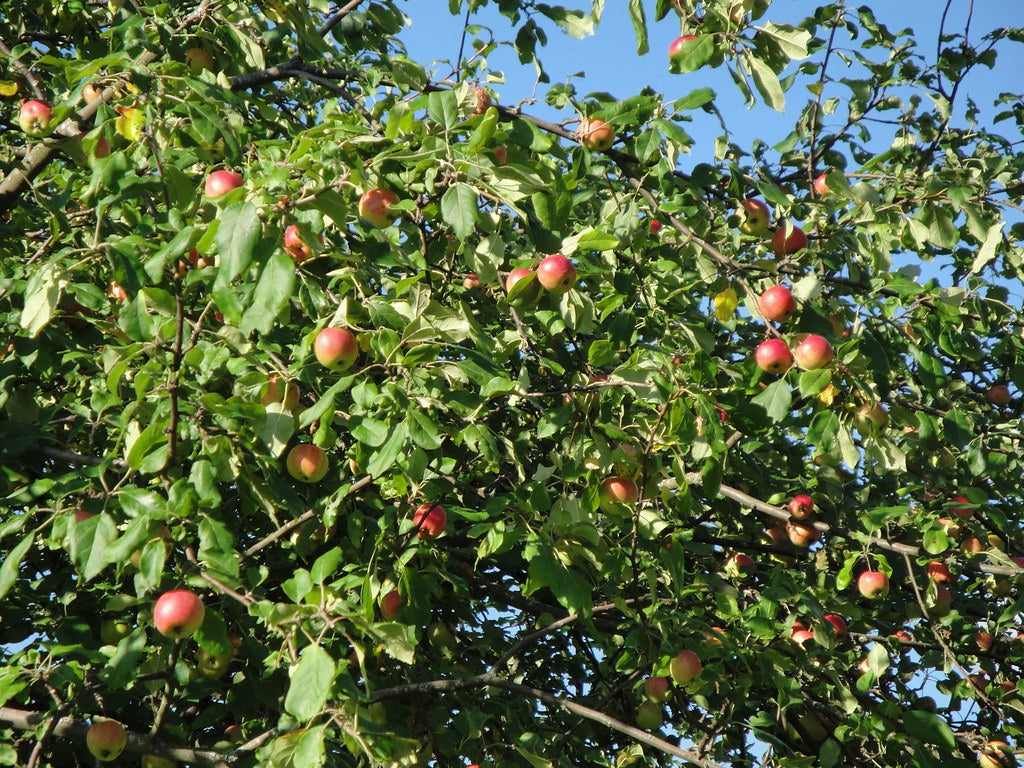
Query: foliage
{"type": "Point", "coordinates": [143, 323]}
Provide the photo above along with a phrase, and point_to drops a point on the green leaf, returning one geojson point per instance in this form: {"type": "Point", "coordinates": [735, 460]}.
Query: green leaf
{"type": "Point", "coordinates": [237, 234]}
{"type": "Point", "coordinates": [459, 209]}
{"type": "Point", "coordinates": [443, 108]}
{"type": "Point", "coordinates": [217, 546]}
{"type": "Point", "coordinates": [878, 659]}
{"type": "Point", "coordinates": [90, 539]}
{"type": "Point", "coordinates": [987, 252]}
{"type": "Point", "coordinates": [636, 15]}
{"type": "Point", "coordinates": [274, 290]}
{"type": "Point", "coordinates": [791, 40]}
{"type": "Point", "coordinates": [123, 667]}
{"type": "Point", "coordinates": [693, 100]}
{"type": "Point", "coordinates": [310, 683]}
{"type": "Point", "coordinates": [383, 458]}
{"type": "Point", "coordinates": [9, 569]}
{"type": "Point", "coordinates": [776, 399]}
{"type": "Point", "coordinates": [766, 81]}
{"type": "Point", "coordinates": [929, 728]}
{"type": "Point", "coordinates": [397, 640]}
{"type": "Point", "coordinates": [42, 294]}
{"type": "Point", "coordinates": [813, 382]}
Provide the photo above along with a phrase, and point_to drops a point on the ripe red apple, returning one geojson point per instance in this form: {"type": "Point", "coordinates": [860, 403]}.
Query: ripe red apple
{"type": "Point", "coordinates": [106, 739]}
{"type": "Point", "coordinates": [777, 304]}
{"type": "Point", "coordinates": [34, 117]}
{"type": "Point", "coordinates": [871, 416]}
{"type": "Point", "coordinates": [902, 636]}
{"type": "Point", "coordinates": [556, 273]}
{"type": "Point", "coordinates": [178, 613]}
{"type": "Point", "coordinates": [294, 246]}
{"type": "Point", "coordinates": [307, 463]}
{"type": "Point", "coordinates": [649, 716]}
{"type": "Point", "coordinates": [873, 585]}
{"type": "Point", "coordinates": [754, 217]}
{"type": "Point", "coordinates": [221, 182]}
{"type": "Point", "coordinates": [939, 572]}
{"type": "Point", "coordinates": [999, 395]}
{"type": "Point", "coordinates": [81, 514]}
{"type": "Point", "coordinates": [278, 390]}
{"type": "Point", "coordinates": [784, 245]}
{"type": "Point", "coordinates": [801, 506]}
{"type": "Point", "coordinates": [773, 356]}
{"type": "Point", "coordinates": [820, 185]}
{"type": "Point", "coordinates": [962, 511]}
{"type": "Point", "coordinates": [802, 534]}
{"type": "Point", "coordinates": [972, 546]}
{"type": "Point", "coordinates": [813, 352]}
{"type": "Point", "coordinates": [801, 635]}
{"type": "Point", "coordinates": [471, 281]}
{"type": "Point", "coordinates": [655, 226]}
{"type": "Point", "coordinates": [389, 604]}
{"type": "Point", "coordinates": [515, 276]}
{"type": "Point", "coordinates": [658, 689]}
{"type": "Point", "coordinates": [431, 520]}
{"type": "Point", "coordinates": [375, 207]}
{"type": "Point", "coordinates": [739, 564]}
{"type": "Point", "coordinates": [596, 135]}
{"type": "Point", "coordinates": [996, 754]}
{"type": "Point", "coordinates": [984, 641]}
{"type": "Point", "coordinates": [677, 48]}
{"type": "Point", "coordinates": [685, 667]}
{"type": "Point", "coordinates": [335, 348]}
{"type": "Point", "coordinates": [481, 101]}
{"type": "Point", "coordinates": [500, 155]}
{"type": "Point", "coordinates": [616, 492]}
{"type": "Point", "coordinates": [198, 59]}
{"type": "Point", "coordinates": [838, 625]}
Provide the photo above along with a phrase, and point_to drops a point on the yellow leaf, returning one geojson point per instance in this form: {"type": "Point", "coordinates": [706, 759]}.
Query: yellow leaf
{"type": "Point", "coordinates": [130, 123]}
{"type": "Point", "coordinates": [725, 304]}
{"type": "Point", "coordinates": [8, 88]}
{"type": "Point", "coordinates": [828, 394]}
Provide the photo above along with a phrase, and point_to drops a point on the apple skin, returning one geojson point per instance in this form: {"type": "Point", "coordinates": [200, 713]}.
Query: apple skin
{"type": "Point", "coordinates": [996, 754]}
{"type": "Point", "coordinates": [616, 492]}
{"type": "Point", "coordinates": [113, 631]}
{"type": "Point", "coordinates": [942, 604]}
{"type": "Point", "coordinates": [802, 535]}
{"type": "Point", "coordinates": [178, 613]}
{"type": "Point", "coordinates": [786, 246]}
{"type": "Point", "coordinates": [375, 207]}
{"type": "Point", "coordinates": [675, 48]}
{"type": "Point", "coordinates": [500, 155]}
{"type": "Point", "coordinates": [999, 395]}
{"type": "Point", "coordinates": [813, 352]}
{"type": "Point", "coordinates": [820, 185]}
{"type": "Point", "coordinates": [198, 59]}
{"type": "Point", "coordinates": [431, 520]}
{"type": "Point", "coordinates": [801, 636]}
{"type": "Point", "coordinates": [773, 356]}
{"type": "Point", "coordinates": [294, 245]}
{"type": "Point", "coordinates": [871, 416]}
{"type": "Point", "coordinates": [221, 182]}
{"type": "Point", "coordinates": [307, 463]}
{"type": "Point", "coordinates": [685, 667]}
{"type": "Point", "coordinates": [106, 739]}
{"type": "Point", "coordinates": [390, 603]}
{"type": "Point", "coordinates": [777, 304]}
{"type": "Point", "coordinates": [963, 512]}
{"type": "Point", "coordinates": [102, 148]}
{"type": "Point", "coordinates": [873, 585]}
{"type": "Point", "coordinates": [655, 226]}
{"type": "Point", "coordinates": [754, 217]}
{"type": "Point", "coordinates": [939, 572]}
{"type": "Point", "coordinates": [34, 117]}
{"type": "Point", "coordinates": [91, 92]}
{"type": "Point", "coordinates": [155, 761]}
{"type": "Point", "coordinates": [471, 281]}
{"type": "Point", "coordinates": [658, 689]}
{"type": "Point", "coordinates": [801, 506]}
{"type": "Point", "coordinates": [984, 641]}
{"type": "Point", "coordinates": [556, 273]}
{"type": "Point", "coordinates": [838, 625]}
{"type": "Point", "coordinates": [279, 391]}
{"type": "Point", "coordinates": [649, 716]}
{"type": "Point", "coordinates": [514, 277]}
{"type": "Point", "coordinates": [596, 135]}
{"type": "Point", "coordinates": [335, 348]}
{"type": "Point", "coordinates": [481, 101]}
{"type": "Point", "coordinates": [739, 564]}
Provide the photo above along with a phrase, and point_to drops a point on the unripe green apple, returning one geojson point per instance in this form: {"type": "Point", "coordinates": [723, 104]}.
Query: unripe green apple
{"type": "Point", "coordinates": [106, 739]}
{"type": "Point", "coordinates": [112, 631]}
{"type": "Point", "coordinates": [154, 761]}
{"type": "Point", "coordinates": [754, 217]}
{"type": "Point", "coordinates": [198, 59]}
{"type": "Point", "coordinates": [685, 667]}
{"type": "Point", "coordinates": [649, 716]}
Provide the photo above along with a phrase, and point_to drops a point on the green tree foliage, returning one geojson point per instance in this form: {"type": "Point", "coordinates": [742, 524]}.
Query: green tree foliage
{"type": "Point", "coordinates": [143, 323]}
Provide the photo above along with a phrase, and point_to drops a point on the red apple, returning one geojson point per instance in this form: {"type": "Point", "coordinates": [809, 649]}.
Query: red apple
{"type": "Point", "coordinates": [500, 155]}
{"type": "Point", "coordinates": [375, 207]}
{"type": "Point", "coordinates": [658, 689]}
{"type": "Point", "coordinates": [820, 185]}
{"type": "Point", "coordinates": [515, 276]}
{"type": "Point", "coordinates": [813, 352]}
{"type": "Point", "coordinates": [102, 148]}
{"type": "Point", "coordinates": [999, 395]}
{"type": "Point", "coordinates": [34, 117]}
{"type": "Point", "coordinates": [984, 641]}
{"type": "Point", "coordinates": [873, 585]}
{"type": "Point", "coordinates": [431, 520]}
{"type": "Point", "coordinates": [972, 546]}
{"type": "Point", "coordinates": [784, 245]}
{"type": "Point", "coordinates": [777, 304]}
{"type": "Point", "coordinates": [939, 572]}
{"type": "Point", "coordinates": [106, 739]}
{"type": "Point", "coordinates": [996, 754]}
{"type": "Point", "coordinates": [902, 636]}
{"type": "Point", "coordinates": [279, 390]}
{"type": "Point", "coordinates": [801, 635]}
{"type": "Point", "coordinates": [596, 135]}
{"type": "Point", "coordinates": [838, 625]}
{"type": "Point", "coordinates": [655, 226]}
{"type": "Point", "coordinates": [685, 667]}
{"type": "Point", "coordinates": [739, 564]}
{"type": "Point", "coordinates": [677, 48]}
{"type": "Point", "coordinates": [471, 281]}
{"type": "Point", "coordinates": [801, 506]}
{"type": "Point", "coordinates": [91, 92]}
{"type": "Point", "coordinates": [390, 603]}
{"type": "Point", "coordinates": [178, 613]}
{"type": "Point", "coordinates": [773, 356]}
{"type": "Point", "coordinates": [221, 182]}
{"type": "Point", "coordinates": [802, 534]}
{"type": "Point", "coordinates": [941, 604]}
{"type": "Point", "coordinates": [81, 514]}
{"type": "Point", "coordinates": [335, 348]}
{"type": "Point", "coordinates": [294, 245]}
{"type": "Point", "coordinates": [556, 273]}
{"type": "Point", "coordinates": [961, 511]}
{"type": "Point", "coordinates": [616, 492]}
{"type": "Point", "coordinates": [307, 463]}
{"type": "Point", "coordinates": [754, 217]}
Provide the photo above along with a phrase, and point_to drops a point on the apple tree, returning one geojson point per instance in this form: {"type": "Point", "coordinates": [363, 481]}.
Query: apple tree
{"type": "Point", "coordinates": [358, 413]}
